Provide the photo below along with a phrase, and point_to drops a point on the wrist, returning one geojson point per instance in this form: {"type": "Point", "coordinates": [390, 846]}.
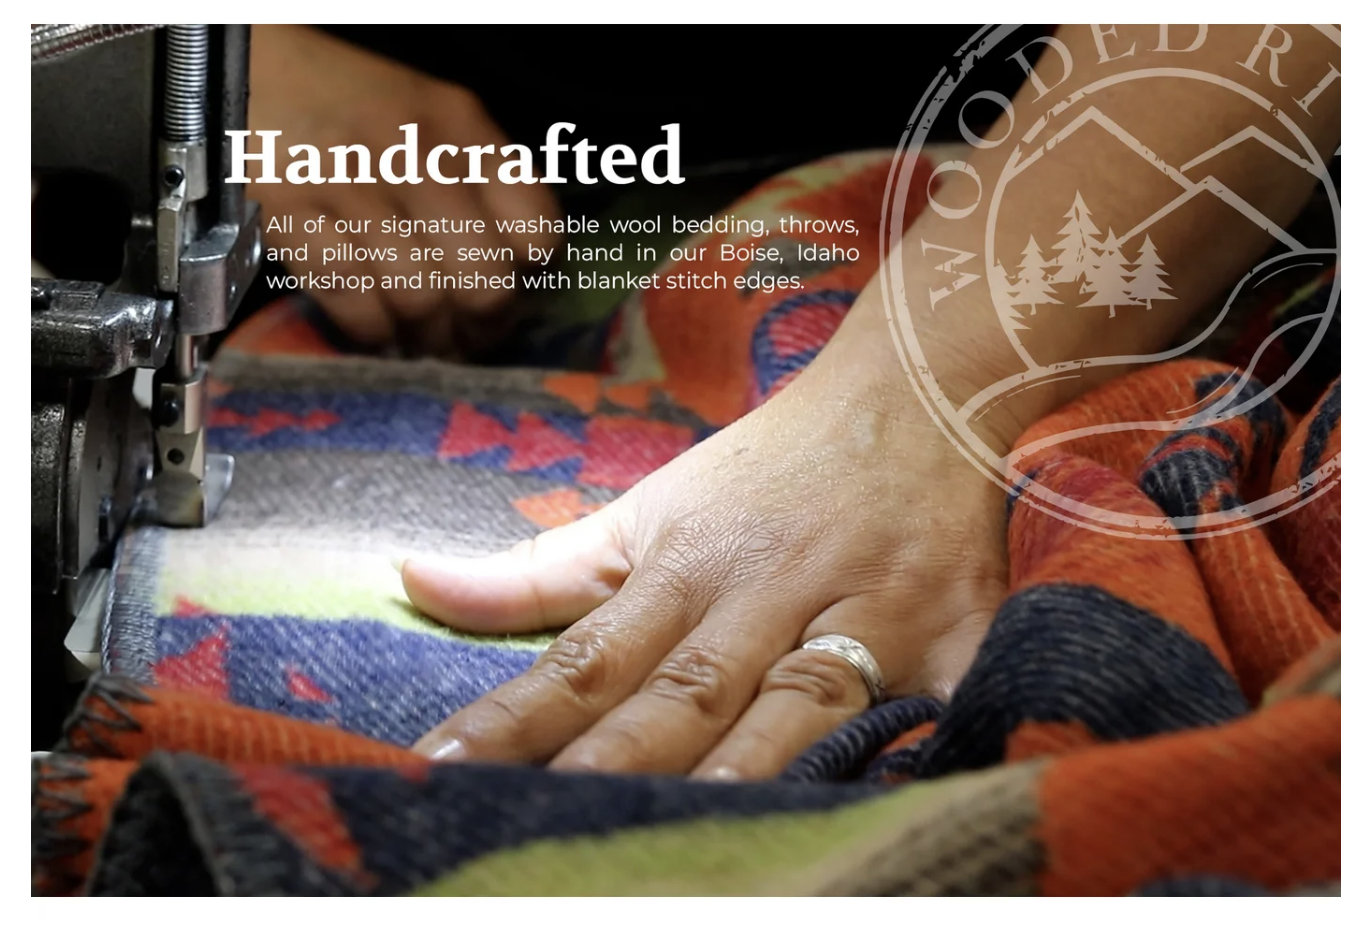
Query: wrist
{"type": "Point", "coordinates": [864, 363]}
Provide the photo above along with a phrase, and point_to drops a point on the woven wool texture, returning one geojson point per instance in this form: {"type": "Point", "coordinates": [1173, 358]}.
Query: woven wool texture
{"type": "Point", "coordinates": [1117, 733]}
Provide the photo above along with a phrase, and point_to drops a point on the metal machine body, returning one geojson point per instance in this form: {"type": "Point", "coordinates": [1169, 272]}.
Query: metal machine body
{"type": "Point", "coordinates": [141, 111]}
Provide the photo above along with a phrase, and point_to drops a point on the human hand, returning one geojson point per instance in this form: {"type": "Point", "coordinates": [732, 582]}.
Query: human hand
{"type": "Point", "coordinates": [830, 510]}
{"type": "Point", "coordinates": [321, 91]}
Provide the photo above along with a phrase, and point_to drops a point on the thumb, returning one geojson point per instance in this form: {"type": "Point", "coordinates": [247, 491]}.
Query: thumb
{"type": "Point", "coordinates": [548, 581]}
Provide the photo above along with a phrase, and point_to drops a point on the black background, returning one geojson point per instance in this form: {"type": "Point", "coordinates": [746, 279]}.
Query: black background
{"type": "Point", "coordinates": [747, 98]}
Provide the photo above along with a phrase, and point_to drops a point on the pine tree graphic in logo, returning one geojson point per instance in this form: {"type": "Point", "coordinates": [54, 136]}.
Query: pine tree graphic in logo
{"type": "Point", "coordinates": [1003, 295]}
{"type": "Point", "coordinates": [1098, 260]}
{"type": "Point", "coordinates": [1106, 277]}
{"type": "Point", "coordinates": [1078, 246]}
{"type": "Point", "coordinates": [1086, 271]}
{"type": "Point", "coordinates": [1034, 287]}
{"type": "Point", "coordinates": [1147, 284]}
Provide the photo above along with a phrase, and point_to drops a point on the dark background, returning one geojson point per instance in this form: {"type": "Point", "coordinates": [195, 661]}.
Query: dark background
{"type": "Point", "coordinates": [749, 99]}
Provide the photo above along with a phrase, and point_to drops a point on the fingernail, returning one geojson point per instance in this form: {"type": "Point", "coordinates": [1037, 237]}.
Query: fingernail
{"type": "Point", "coordinates": [398, 562]}
{"type": "Point", "coordinates": [722, 774]}
{"type": "Point", "coordinates": [441, 747]}
{"type": "Point", "coordinates": [436, 566]}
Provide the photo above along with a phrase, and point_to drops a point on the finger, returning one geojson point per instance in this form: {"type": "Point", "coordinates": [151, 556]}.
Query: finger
{"type": "Point", "coordinates": [361, 316]}
{"type": "Point", "coordinates": [462, 110]}
{"type": "Point", "coordinates": [429, 337]}
{"type": "Point", "coordinates": [808, 694]}
{"type": "Point", "coordinates": [367, 209]}
{"type": "Point", "coordinates": [692, 698]}
{"type": "Point", "coordinates": [522, 201]}
{"type": "Point", "coordinates": [588, 670]}
{"type": "Point", "coordinates": [951, 654]}
{"type": "Point", "coordinates": [804, 696]}
{"type": "Point", "coordinates": [482, 336]}
{"type": "Point", "coordinates": [547, 581]}
{"type": "Point", "coordinates": [484, 252]}
{"type": "Point", "coordinates": [462, 337]}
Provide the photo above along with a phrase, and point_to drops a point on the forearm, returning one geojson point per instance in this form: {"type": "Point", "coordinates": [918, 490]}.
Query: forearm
{"type": "Point", "coordinates": [1206, 245]}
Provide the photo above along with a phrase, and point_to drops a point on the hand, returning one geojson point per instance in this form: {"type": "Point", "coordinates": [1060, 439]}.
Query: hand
{"type": "Point", "coordinates": [319, 90]}
{"type": "Point", "coordinates": [825, 511]}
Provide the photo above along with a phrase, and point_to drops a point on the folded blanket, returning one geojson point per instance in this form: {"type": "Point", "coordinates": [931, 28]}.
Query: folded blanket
{"type": "Point", "coordinates": [1115, 734]}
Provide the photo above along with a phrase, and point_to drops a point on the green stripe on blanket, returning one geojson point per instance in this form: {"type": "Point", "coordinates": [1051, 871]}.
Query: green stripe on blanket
{"type": "Point", "coordinates": [969, 834]}
{"type": "Point", "coordinates": [323, 583]}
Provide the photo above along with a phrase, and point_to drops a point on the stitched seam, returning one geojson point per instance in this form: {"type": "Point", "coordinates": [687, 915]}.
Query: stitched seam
{"type": "Point", "coordinates": [55, 806]}
{"type": "Point", "coordinates": [90, 733]}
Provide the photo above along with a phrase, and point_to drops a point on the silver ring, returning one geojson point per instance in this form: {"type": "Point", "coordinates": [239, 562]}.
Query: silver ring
{"type": "Point", "coordinates": [856, 654]}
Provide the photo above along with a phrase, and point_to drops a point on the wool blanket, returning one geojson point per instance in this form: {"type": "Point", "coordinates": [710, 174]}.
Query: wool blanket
{"type": "Point", "coordinates": [1144, 716]}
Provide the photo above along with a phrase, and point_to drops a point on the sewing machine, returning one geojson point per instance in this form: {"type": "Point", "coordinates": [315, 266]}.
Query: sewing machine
{"type": "Point", "coordinates": [152, 253]}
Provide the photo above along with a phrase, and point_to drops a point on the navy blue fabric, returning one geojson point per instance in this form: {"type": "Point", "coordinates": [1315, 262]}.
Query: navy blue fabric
{"type": "Point", "coordinates": [186, 827]}
{"type": "Point", "coordinates": [411, 827]}
{"type": "Point", "coordinates": [845, 754]}
{"type": "Point", "coordinates": [410, 423]}
{"type": "Point", "coordinates": [1322, 425]}
{"type": "Point", "coordinates": [424, 677]}
{"type": "Point", "coordinates": [1182, 482]}
{"type": "Point", "coordinates": [1265, 417]}
{"type": "Point", "coordinates": [470, 811]}
{"type": "Point", "coordinates": [1066, 653]}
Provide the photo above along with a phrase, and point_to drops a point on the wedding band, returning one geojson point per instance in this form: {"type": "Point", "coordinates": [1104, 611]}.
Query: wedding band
{"type": "Point", "coordinates": [856, 654]}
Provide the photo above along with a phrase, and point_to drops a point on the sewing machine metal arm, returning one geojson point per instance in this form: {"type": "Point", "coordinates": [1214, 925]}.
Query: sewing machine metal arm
{"type": "Point", "coordinates": [144, 108]}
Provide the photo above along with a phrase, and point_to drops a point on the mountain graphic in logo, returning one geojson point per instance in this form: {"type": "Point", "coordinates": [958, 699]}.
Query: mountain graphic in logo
{"type": "Point", "coordinates": [1086, 267]}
